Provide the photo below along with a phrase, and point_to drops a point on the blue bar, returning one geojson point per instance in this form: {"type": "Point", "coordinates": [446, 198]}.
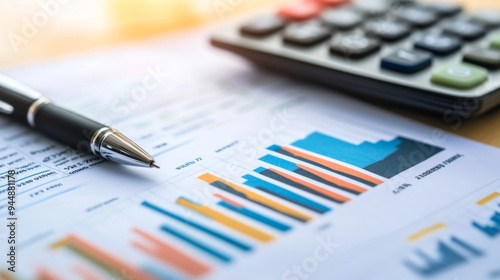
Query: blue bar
{"type": "Point", "coordinates": [279, 162]}
{"type": "Point", "coordinates": [255, 216]}
{"type": "Point", "coordinates": [448, 258]}
{"type": "Point", "coordinates": [381, 157]}
{"type": "Point", "coordinates": [360, 155]}
{"type": "Point", "coordinates": [274, 148]}
{"type": "Point", "coordinates": [200, 227]}
{"type": "Point", "coordinates": [490, 230]}
{"type": "Point", "coordinates": [262, 185]}
{"type": "Point", "coordinates": [260, 169]}
{"type": "Point", "coordinates": [197, 244]}
{"type": "Point", "coordinates": [467, 246]}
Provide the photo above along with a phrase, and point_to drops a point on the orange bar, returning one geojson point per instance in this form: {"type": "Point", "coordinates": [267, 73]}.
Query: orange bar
{"type": "Point", "coordinates": [85, 273]}
{"type": "Point", "coordinates": [114, 265]}
{"type": "Point", "coordinates": [328, 193]}
{"type": "Point", "coordinates": [334, 166]}
{"type": "Point", "coordinates": [45, 274]}
{"type": "Point", "coordinates": [229, 200]}
{"type": "Point", "coordinates": [171, 255]}
{"type": "Point", "coordinates": [332, 179]}
{"type": "Point", "coordinates": [210, 178]}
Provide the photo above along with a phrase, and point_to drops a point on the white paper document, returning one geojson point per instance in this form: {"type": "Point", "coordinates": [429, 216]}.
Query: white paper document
{"type": "Point", "coordinates": [261, 177]}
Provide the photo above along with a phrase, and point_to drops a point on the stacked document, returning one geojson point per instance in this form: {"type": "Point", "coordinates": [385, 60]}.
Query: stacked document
{"type": "Point", "coordinates": [261, 177]}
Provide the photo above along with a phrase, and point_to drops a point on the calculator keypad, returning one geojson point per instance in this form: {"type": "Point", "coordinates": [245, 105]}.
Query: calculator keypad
{"type": "Point", "coordinates": [358, 29]}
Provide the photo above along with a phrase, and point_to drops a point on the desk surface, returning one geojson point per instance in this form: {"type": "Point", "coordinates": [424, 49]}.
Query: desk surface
{"type": "Point", "coordinates": [85, 25]}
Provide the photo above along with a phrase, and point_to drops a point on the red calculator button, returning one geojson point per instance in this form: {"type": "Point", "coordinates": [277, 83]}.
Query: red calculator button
{"type": "Point", "coordinates": [300, 11]}
{"type": "Point", "coordinates": [333, 2]}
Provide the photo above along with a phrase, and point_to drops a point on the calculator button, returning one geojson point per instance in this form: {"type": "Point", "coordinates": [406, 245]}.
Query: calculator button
{"type": "Point", "coordinates": [334, 2]}
{"type": "Point", "coordinates": [462, 76]}
{"type": "Point", "coordinates": [465, 29]}
{"type": "Point", "coordinates": [488, 18]}
{"type": "Point", "coordinates": [300, 11]}
{"type": "Point", "coordinates": [407, 61]}
{"type": "Point", "coordinates": [488, 58]}
{"type": "Point", "coordinates": [262, 25]}
{"type": "Point", "coordinates": [404, 2]}
{"type": "Point", "coordinates": [306, 34]}
{"type": "Point", "coordinates": [354, 46]}
{"type": "Point", "coordinates": [387, 30]}
{"type": "Point", "coordinates": [443, 9]}
{"type": "Point", "coordinates": [418, 17]}
{"type": "Point", "coordinates": [495, 41]}
{"type": "Point", "coordinates": [439, 44]}
{"type": "Point", "coordinates": [342, 19]}
{"type": "Point", "coordinates": [372, 8]}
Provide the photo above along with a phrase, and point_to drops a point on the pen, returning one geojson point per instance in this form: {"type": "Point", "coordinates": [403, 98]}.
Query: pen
{"type": "Point", "coordinates": [29, 107]}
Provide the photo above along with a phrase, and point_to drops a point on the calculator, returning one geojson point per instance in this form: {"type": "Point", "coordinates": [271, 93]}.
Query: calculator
{"type": "Point", "coordinates": [430, 55]}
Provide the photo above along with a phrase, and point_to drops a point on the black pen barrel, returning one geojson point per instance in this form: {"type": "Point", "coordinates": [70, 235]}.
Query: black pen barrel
{"type": "Point", "coordinates": [66, 127]}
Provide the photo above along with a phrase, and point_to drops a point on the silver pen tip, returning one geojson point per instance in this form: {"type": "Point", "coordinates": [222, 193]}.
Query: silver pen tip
{"type": "Point", "coordinates": [112, 145]}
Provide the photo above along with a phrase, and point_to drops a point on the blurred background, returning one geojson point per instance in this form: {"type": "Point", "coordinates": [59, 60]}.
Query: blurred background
{"type": "Point", "coordinates": [38, 29]}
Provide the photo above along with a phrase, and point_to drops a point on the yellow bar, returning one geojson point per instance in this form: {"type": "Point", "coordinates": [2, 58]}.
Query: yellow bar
{"type": "Point", "coordinates": [226, 220]}
{"type": "Point", "coordinates": [114, 265]}
{"type": "Point", "coordinates": [429, 230]}
{"type": "Point", "coordinates": [487, 198]}
{"type": "Point", "coordinates": [209, 178]}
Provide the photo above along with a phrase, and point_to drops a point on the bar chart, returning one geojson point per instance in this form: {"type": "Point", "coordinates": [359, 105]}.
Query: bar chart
{"type": "Point", "coordinates": [448, 257]}
{"type": "Point", "coordinates": [490, 227]}
{"type": "Point", "coordinates": [439, 248]}
{"type": "Point", "coordinates": [289, 186]}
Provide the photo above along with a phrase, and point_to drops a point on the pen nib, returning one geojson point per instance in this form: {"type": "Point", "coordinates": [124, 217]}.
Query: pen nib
{"type": "Point", "coordinates": [153, 164]}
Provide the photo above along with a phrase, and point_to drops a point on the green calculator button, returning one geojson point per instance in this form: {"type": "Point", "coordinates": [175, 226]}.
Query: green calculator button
{"type": "Point", "coordinates": [495, 42]}
{"type": "Point", "coordinates": [461, 75]}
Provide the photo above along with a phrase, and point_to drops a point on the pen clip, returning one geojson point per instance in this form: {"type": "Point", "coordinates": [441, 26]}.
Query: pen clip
{"type": "Point", "coordinates": [19, 87]}
{"type": "Point", "coordinates": [6, 108]}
